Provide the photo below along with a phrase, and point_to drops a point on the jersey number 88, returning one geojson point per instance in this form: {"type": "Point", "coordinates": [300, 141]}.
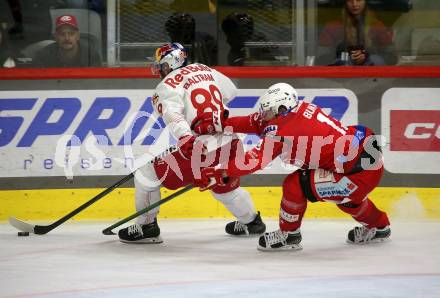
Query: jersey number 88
{"type": "Point", "coordinates": [205, 100]}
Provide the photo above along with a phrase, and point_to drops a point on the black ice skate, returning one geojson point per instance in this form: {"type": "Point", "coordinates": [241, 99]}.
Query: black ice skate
{"type": "Point", "coordinates": [137, 233]}
{"type": "Point", "coordinates": [364, 235]}
{"type": "Point", "coordinates": [255, 227]}
{"type": "Point", "coordinates": [280, 240]}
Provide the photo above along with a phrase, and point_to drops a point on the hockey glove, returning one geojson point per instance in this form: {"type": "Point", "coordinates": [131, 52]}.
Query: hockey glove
{"type": "Point", "coordinates": [211, 176]}
{"type": "Point", "coordinates": [209, 122]}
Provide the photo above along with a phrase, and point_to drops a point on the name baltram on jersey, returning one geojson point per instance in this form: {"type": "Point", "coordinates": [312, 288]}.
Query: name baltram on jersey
{"type": "Point", "coordinates": [189, 91]}
{"type": "Point", "coordinates": [305, 137]}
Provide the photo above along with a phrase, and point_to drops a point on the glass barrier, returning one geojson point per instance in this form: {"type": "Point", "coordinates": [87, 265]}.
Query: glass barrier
{"type": "Point", "coordinates": [117, 33]}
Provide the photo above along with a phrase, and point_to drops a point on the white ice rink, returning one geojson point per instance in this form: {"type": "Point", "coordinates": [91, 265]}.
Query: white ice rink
{"type": "Point", "coordinates": [198, 260]}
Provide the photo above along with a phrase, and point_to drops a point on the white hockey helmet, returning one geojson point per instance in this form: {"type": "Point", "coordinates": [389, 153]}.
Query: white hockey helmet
{"type": "Point", "coordinates": [275, 97]}
{"type": "Point", "coordinates": [169, 57]}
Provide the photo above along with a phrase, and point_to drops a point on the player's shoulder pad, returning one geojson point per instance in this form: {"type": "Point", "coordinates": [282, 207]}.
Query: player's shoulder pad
{"type": "Point", "coordinates": [164, 91]}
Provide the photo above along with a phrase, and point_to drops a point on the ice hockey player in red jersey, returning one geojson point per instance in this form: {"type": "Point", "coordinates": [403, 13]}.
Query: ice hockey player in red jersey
{"type": "Point", "coordinates": [337, 164]}
{"type": "Point", "coordinates": [184, 93]}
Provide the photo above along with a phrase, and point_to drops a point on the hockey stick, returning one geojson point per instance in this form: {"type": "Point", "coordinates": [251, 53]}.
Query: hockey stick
{"type": "Point", "coordinates": [40, 230]}
{"type": "Point", "coordinates": [108, 231]}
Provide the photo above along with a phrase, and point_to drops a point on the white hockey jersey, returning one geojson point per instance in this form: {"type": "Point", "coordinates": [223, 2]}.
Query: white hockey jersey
{"type": "Point", "coordinates": [189, 91]}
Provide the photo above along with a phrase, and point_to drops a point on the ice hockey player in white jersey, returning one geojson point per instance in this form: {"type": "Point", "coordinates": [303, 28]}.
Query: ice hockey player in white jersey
{"type": "Point", "coordinates": [185, 92]}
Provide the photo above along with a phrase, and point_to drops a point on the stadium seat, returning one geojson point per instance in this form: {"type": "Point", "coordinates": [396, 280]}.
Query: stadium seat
{"type": "Point", "coordinates": [33, 48]}
{"type": "Point", "coordinates": [425, 45]}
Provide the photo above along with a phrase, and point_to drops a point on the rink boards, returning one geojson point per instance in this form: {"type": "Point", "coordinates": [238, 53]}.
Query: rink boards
{"type": "Point", "coordinates": [399, 203]}
{"type": "Point", "coordinates": [35, 114]}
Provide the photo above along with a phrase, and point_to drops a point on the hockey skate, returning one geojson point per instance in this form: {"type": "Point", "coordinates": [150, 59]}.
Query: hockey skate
{"type": "Point", "coordinates": [149, 233]}
{"type": "Point", "coordinates": [255, 227]}
{"type": "Point", "coordinates": [364, 235]}
{"type": "Point", "coordinates": [280, 240]}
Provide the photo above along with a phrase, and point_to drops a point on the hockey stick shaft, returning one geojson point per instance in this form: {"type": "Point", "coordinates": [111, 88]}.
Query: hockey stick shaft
{"type": "Point", "coordinates": [40, 230]}
{"type": "Point", "coordinates": [45, 229]}
{"type": "Point", "coordinates": [88, 203]}
{"type": "Point", "coordinates": [108, 231]}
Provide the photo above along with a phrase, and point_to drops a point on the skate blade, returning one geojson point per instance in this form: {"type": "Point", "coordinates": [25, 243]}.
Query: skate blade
{"type": "Point", "coordinates": [245, 235]}
{"type": "Point", "coordinates": [375, 241]}
{"type": "Point", "coordinates": [292, 247]}
{"type": "Point", "coordinates": [153, 240]}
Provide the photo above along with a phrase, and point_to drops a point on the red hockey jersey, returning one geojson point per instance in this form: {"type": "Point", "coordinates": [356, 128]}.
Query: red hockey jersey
{"type": "Point", "coordinates": [305, 137]}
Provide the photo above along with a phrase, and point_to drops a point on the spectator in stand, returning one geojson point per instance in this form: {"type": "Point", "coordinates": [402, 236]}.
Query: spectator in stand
{"type": "Point", "coordinates": [202, 47]}
{"type": "Point", "coordinates": [7, 57]}
{"type": "Point", "coordinates": [68, 50]}
{"type": "Point", "coordinates": [239, 28]}
{"type": "Point", "coordinates": [358, 39]}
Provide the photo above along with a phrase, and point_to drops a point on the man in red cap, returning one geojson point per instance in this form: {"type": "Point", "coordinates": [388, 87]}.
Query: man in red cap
{"type": "Point", "coordinates": [67, 51]}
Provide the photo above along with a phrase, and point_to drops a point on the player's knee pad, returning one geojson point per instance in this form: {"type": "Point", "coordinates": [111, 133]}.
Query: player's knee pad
{"type": "Point", "coordinates": [239, 203]}
{"type": "Point", "coordinates": [233, 183]}
{"type": "Point", "coordinates": [355, 208]}
{"type": "Point", "coordinates": [227, 197]}
{"type": "Point", "coordinates": [367, 213]}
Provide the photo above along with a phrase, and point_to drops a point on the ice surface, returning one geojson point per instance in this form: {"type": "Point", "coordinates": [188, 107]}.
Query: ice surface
{"type": "Point", "coordinates": [197, 259]}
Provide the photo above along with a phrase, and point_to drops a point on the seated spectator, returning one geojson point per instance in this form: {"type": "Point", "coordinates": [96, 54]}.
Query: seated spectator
{"type": "Point", "coordinates": [68, 50]}
{"type": "Point", "coordinates": [358, 39]}
{"type": "Point", "coordinates": [239, 28]}
{"type": "Point", "coordinates": [202, 47]}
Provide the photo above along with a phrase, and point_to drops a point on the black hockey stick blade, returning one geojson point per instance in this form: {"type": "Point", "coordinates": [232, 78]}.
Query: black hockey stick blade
{"type": "Point", "coordinates": [108, 231]}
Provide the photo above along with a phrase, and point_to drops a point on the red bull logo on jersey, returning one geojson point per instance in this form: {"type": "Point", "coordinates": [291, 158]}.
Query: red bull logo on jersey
{"type": "Point", "coordinates": [178, 78]}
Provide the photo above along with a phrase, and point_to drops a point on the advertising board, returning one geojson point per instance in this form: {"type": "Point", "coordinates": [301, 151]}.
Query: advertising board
{"type": "Point", "coordinates": [411, 124]}
{"type": "Point", "coordinates": [110, 132]}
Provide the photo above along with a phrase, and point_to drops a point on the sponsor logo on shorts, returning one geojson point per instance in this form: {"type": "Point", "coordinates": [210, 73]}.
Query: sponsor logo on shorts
{"type": "Point", "coordinates": [322, 175]}
{"type": "Point", "coordinates": [343, 188]}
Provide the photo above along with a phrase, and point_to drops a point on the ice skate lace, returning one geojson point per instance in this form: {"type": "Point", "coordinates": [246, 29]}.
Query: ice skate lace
{"type": "Point", "coordinates": [276, 237]}
{"type": "Point", "coordinates": [363, 234]}
{"type": "Point", "coordinates": [239, 227]}
{"type": "Point", "coordinates": [135, 229]}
